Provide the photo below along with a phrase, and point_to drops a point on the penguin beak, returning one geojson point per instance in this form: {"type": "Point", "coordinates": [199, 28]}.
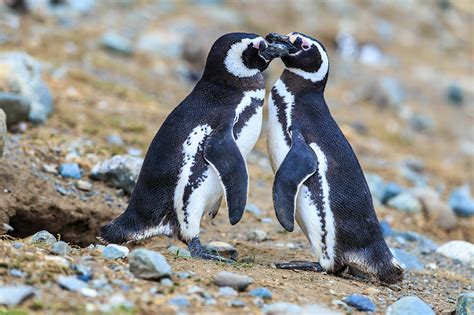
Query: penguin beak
{"type": "Point", "coordinates": [283, 42]}
{"type": "Point", "coordinates": [274, 50]}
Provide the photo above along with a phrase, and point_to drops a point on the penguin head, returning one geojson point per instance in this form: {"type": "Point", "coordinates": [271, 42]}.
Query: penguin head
{"type": "Point", "coordinates": [306, 56]}
{"type": "Point", "coordinates": [240, 55]}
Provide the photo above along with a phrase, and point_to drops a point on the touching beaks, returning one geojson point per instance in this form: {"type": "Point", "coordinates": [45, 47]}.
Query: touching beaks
{"type": "Point", "coordinates": [284, 41]}
{"type": "Point", "coordinates": [275, 48]}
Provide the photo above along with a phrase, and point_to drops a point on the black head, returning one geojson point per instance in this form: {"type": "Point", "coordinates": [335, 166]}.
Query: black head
{"type": "Point", "coordinates": [240, 56]}
{"type": "Point", "coordinates": [307, 57]}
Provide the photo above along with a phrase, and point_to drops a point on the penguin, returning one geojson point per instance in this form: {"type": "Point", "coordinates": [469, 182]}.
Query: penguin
{"type": "Point", "coordinates": [318, 179]}
{"type": "Point", "coordinates": [198, 155]}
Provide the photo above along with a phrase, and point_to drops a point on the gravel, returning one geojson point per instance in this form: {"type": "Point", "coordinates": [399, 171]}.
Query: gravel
{"type": "Point", "coordinates": [230, 279]}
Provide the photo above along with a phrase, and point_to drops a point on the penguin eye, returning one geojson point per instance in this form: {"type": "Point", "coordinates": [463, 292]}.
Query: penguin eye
{"type": "Point", "coordinates": [305, 47]}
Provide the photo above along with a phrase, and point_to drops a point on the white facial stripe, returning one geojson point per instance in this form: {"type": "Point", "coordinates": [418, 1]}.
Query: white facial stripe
{"type": "Point", "coordinates": [323, 69]}
{"type": "Point", "coordinates": [234, 62]}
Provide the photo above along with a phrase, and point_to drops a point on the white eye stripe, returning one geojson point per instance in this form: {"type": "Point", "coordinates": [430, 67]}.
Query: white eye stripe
{"type": "Point", "coordinates": [233, 60]}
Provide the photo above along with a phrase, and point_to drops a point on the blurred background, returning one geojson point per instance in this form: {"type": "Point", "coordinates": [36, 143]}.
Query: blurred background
{"type": "Point", "coordinates": [83, 81]}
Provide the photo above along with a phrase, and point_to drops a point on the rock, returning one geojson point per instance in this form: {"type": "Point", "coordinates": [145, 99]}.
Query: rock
{"type": "Point", "coordinates": [50, 168]}
{"type": "Point", "coordinates": [84, 272]}
{"type": "Point", "coordinates": [256, 235]}
{"type": "Point", "coordinates": [227, 291]}
{"type": "Point", "coordinates": [16, 107]}
{"type": "Point", "coordinates": [184, 275]}
{"type": "Point", "coordinates": [222, 249]}
{"type": "Point", "coordinates": [360, 302]}
{"type": "Point", "coordinates": [282, 308]}
{"type": "Point", "coordinates": [167, 282]}
{"type": "Point", "coordinates": [409, 305]}
{"type": "Point", "coordinates": [230, 279]}
{"type": "Point", "coordinates": [115, 140]}
{"type": "Point", "coordinates": [147, 264]}
{"type": "Point", "coordinates": [134, 152]}
{"type": "Point", "coordinates": [311, 309]}
{"type": "Point", "coordinates": [391, 190]}
{"type": "Point", "coordinates": [386, 229]}
{"type": "Point", "coordinates": [465, 304]}
{"type": "Point", "coordinates": [3, 131]}
{"type": "Point", "coordinates": [407, 261]}
{"type": "Point", "coordinates": [461, 202]}
{"type": "Point", "coordinates": [454, 94]}
{"type": "Point", "coordinates": [261, 292]}
{"type": "Point", "coordinates": [43, 237]}
{"type": "Point", "coordinates": [21, 75]}
{"type": "Point", "coordinates": [71, 283]}
{"type": "Point", "coordinates": [250, 207]}
{"type": "Point", "coordinates": [376, 185]}
{"type": "Point", "coordinates": [117, 43]}
{"type": "Point", "coordinates": [179, 301]}
{"type": "Point", "coordinates": [114, 251]}
{"type": "Point", "coordinates": [266, 220]}
{"type": "Point", "coordinates": [435, 209]}
{"type": "Point", "coordinates": [120, 171]}
{"type": "Point", "coordinates": [61, 248]}
{"type": "Point", "coordinates": [405, 202]}
{"type": "Point", "coordinates": [14, 295]}
{"type": "Point", "coordinates": [237, 303]}
{"type": "Point", "coordinates": [84, 185]}
{"type": "Point", "coordinates": [425, 245]}
{"type": "Point", "coordinates": [157, 43]}
{"type": "Point", "coordinates": [178, 251]}
{"type": "Point", "coordinates": [17, 273]}
{"type": "Point", "coordinates": [459, 250]}
{"type": "Point", "coordinates": [370, 54]}
{"type": "Point", "coordinates": [70, 170]}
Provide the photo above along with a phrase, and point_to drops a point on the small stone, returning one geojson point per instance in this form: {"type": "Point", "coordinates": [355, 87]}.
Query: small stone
{"type": "Point", "coordinates": [282, 308]}
{"type": "Point", "coordinates": [43, 237]}
{"type": "Point", "coordinates": [237, 303]}
{"type": "Point", "coordinates": [253, 209]}
{"type": "Point", "coordinates": [405, 202]}
{"type": "Point", "coordinates": [261, 292]}
{"type": "Point", "coordinates": [180, 252]}
{"type": "Point", "coordinates": [409, 305]}
{"type": "Point", "coordinates": [360, 302]}
{"type": "Point", "coordinates": [120, 171]}
{"type": "Point", "coordinates": [465, 304]}
{"type": "Point", "coordinates": [84, 185]}
{"type": "Point", "coordinates": [114, 251]}
{"type": "Point", "coordinates": [50, 168]}
{"type": "Point", "coordinates": [459, 250]}
{"type": "Point", "coordinates": [386, 228]}
{"type": "Point", "coordinates": [60, 248]}
{"type": "Point", "coordinates": [3, 131]}
{"type": "Point", "coordinates": [434, 208]}
{"type": "Point", "coordinates": [454, 94]}
{"type": "Point", "coordinates": [391, 190]}
{"type": "Point", "coordinates": [14, 295]}
{"type": "Point", "coordinates": [17, 273]}
{"type": "Point", "coordinates": [70, 170]}
{"type": "Point", "coordinates": [88, 292]}
{"type": "Point", "coordinates": [222, 249]}
{"type": "Point", "coordinates": [256, 235]}
{"type": "Point", "coordinates": [147, 264]}
{"type": "Point", "coordinates": [461, 201]}
{"type": "Point", "coordinates": [230, 279]}
{"type": "Point", "coordinates": [407, 261]}
{"type": "Point", "coordinates": [115, 140]}
{"type": "Point", "coordinates": [420, 122]}
{"type": "Point", "coordinates": [267, 220]}
{"type": "Point", "coordinates": [227, 291]}
{"type": "Point", "coordinates": [425, 245]}
{"type": "Point", "coordinates": [117, 43]}
{"type": "Point", "coordinates": [371, 291]}
{"type": "Point", "coordinates": [184, 275]}
{"type": "Point", "coordinates": [15, 108]}
{"type": "Point", "coordinates": [71, 283]}
{"type": "Point", "coordinates": [167, 282]}
{"type": "Point", "coordinates": [179, 301]}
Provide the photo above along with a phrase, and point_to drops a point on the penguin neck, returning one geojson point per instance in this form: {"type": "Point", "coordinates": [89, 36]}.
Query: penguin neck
{"type": "Point", "coordinates": [300, 84]}
{"type": "Point", "coordinates": [229, 81]}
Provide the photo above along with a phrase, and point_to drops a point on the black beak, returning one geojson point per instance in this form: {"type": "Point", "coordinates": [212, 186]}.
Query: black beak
{"type": "Point", "coordinates": [277, 46]}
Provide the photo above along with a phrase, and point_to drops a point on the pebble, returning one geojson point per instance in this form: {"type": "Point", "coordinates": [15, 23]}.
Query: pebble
{"type": "Point", "coordinates": [178, 251]}
{"type": "Point", "coordinates": [180, 301]}
{"type": "Point", "coordinates": [420, 122]}
{"type": "Point", "coordinates": [17, 273]}
{"type": "Point", "coordinates": [71, 283]}
{"type": "Point", "coordinates": [14, 295]}
{"type": "Point", "coordinates": [391, 190]}
{"type": "Point", "coordinates": [262, 292]}
{"type": "Point", "coordinates": [117, 43]}
{"type": "Point", "coordinates": [459, 250]}
{"type": "Point", "coordinates": [230, 279]}
{"type": "Point", "coordinates": [360, 302]}
{"type": "Point", "coordinates": [184, 275]}
{"type": "Point", "coordinates": [115, 140]}
{"type": "Point", "coordinates": [50, 168]}
{"type": "Point", "coordinates": [253, 209]}
{"type": "Point", "coordinates": [120, 171]}
{"type": "Point", "coordinates": [70, 170]}
{"type": "Point", "coordinates": [237, 303]}
{"type": "Point", "coordinates": [16, 107]}
{"type": "Point", "coordinates": [409, 305]}
{"type": "Point", "coordinates": [3, 131]}
{"type": "Point", "coordinates": [147, 264]}
{"type": "Point", "coordinates": [167, 282]}
{"type": "Point", "coordinates": [461, 201]}
{"type": "Point", "coordinates": [227, 291]}
{"type": "Point", "coordinates": [434, 208]}
{"type": "Point", "coordinates": [222, 249]}
{"type": "Point", "coordinates": [282, 308]}
{"type": "Point", "coordinates": [454, 94]}
{"type": "Point", "coordinates": [267, 220]}
{"type": "Point", "coordinates": [256, 235]}
{"type": "Point", "coordinates": [407, 261]}
{"type": "Point", "coordinates": [43, 237]}
{"type": "Point", "coordinates": [425, 245]}
{"type": "Point", "coordinates": [465, 304]}
{"type": "Point", "coordinates": [84, 185]}
{"type": "Point", "coordinates": [114, 251]}
{"type": "Point", "coordinates": [405, 202]}
{"type": "Point", "coordinates": [60, 248]}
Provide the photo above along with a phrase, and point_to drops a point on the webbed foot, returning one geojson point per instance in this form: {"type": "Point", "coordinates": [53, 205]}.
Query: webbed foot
{"type": "Point", "coordinates": [197, 251]}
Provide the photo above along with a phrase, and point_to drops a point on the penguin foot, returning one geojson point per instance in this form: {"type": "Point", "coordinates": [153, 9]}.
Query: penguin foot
{"type": "Point", "coordinates": [300, 265]}
{"type": "Point", "coordinates": [197, 251]}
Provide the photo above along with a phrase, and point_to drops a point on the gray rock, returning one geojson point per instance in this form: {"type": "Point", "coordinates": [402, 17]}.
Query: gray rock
{"type": "Point", "coordinates": [454, 94]}
{"type": "Point", "coordinates": [420, 122]}
{"type": "Point", "coordinates": [256, 235]}
{"type": "Point", "coordinates": [227, 291]}
{"type": "Point", "coordinates": [12, 295]}
{"type": "Point", "coordinates": [267, 220]}
{"type": "Point", "coordinates": [71, 283]}
{"type": "Point", "coordinates": [147, 264]}
{"type": "Point", "coordinates": [461, 201]}
{"type": "Point", "coordinates": [114, 251]}
{"type": "Point", "coordinates": [262, 292]}
{"type": "Point", "coordinates": [222, 249]}
{"type": "Point", "coordinates": [70, 170]}
{"type": "Point", "coordinates": [115, 140]}
{"type": "Point", "coordinates": [250, 207]}
{"type": "Point", "coordinates": [459, 250]}
{"type": "Point", "coordinates": [117, 43]}
{"type": "Point", "coordinates": [409, 305]}
{"type": "Point", "coordinates": [16, 107]}
{"type": "Point", "coordinates": [178, 251]}
{"type": "Point", "coordinates": [120, 171]}
{"type": "Point", "coordinates": [179, 301]}
{"type": "Point", "coordinates": [376, 185]}
{"type": "Point", "coordinates": [434, 208]}
{"type": "Point", "coordinates": [465, 304]}
{"type": "Point", "coordinates": [360, 302]}
{"type": "Point", "coordinates": [84, 185]}
{"type": "Point", "coordinates": [391, 190]}
{"type": "Point", "coordinates": [167, 282]}
{"type": "Point", "coordinates": [61, 248]}
{"type": "Point", "coordinates": [236, 303]}
{"type": "Point", "coordinates": [318, 309]}
{"type": "Point", "coordinates": [17, 273]}
{"type": "Point", "coordinates": [424, 244]}
{"type": "Point", "coordinates": [3, 131]}
{"type": "Point", "coordinates": [230, 279]}
{"type": "Point", "coordinates": [43, 237]}
{"type": "Point", "coordinates": [282, 308]}
{"type": "Point", "coordinates": [405, 202]}
{"type": "Point", "coordinates": [22, 76]}
{"type": "Point", "coordinates": [407, 261]}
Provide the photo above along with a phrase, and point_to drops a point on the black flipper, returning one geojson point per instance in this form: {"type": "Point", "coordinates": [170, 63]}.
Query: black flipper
{"type": "Point", "coordinates": [299, 164]}
{"type": "Point", "coordinates": [221, 151]}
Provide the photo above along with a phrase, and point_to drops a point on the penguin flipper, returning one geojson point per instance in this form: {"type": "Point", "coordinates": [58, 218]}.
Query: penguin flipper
{"type": "Point", "coordinates": [223, 154]}
{"type": "Point", "coordinates": [299, 164]}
